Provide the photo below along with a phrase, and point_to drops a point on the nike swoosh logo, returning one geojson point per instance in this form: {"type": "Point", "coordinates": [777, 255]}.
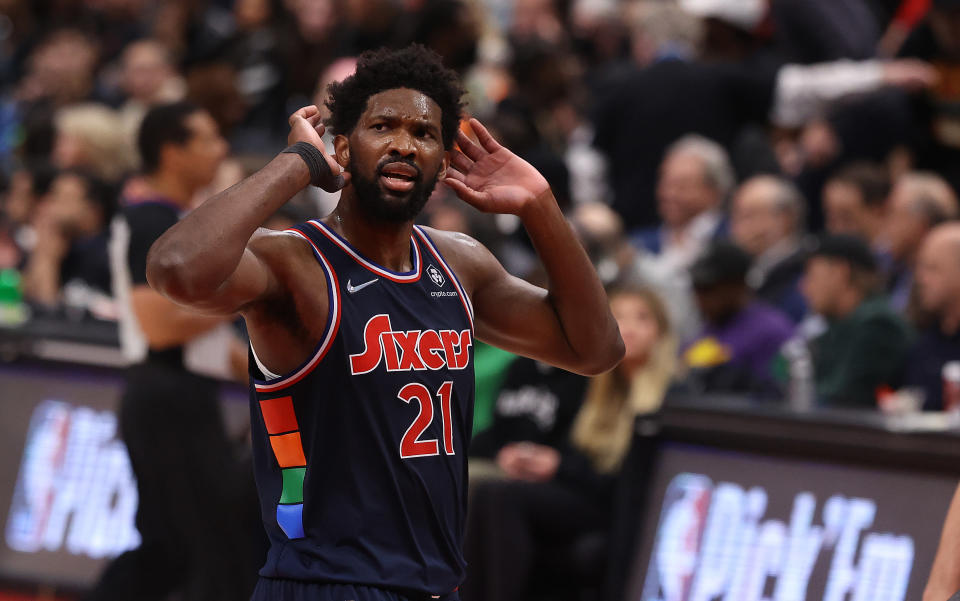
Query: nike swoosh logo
{"type": "Point", "coordinates": [351, 288]}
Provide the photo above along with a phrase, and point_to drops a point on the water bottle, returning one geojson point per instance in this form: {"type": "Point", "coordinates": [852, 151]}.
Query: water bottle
{"type": "Point", "coordinates": [13, 311]}
{"type": "Point", "coordinates": [801, 391]}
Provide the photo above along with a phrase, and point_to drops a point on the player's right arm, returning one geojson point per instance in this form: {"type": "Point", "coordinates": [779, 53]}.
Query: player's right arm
{"type": "Point", "coordinates": [215, 260]}
{"type": "Point", "coordinates": [945, 575]}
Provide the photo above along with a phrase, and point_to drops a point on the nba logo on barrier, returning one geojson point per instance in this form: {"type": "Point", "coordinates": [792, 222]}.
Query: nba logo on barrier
{"type": "Point", "coordinates": [75, 491]}
{"type": "Point", "coordinates": [436, 276]}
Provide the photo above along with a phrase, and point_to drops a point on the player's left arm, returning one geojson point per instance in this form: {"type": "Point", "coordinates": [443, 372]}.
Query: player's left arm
{"type": "Point", "coordinates": [570, 324]}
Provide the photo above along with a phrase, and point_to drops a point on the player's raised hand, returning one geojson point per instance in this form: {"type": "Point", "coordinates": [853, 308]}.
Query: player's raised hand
{"type": "Point", "coordinates": [306, 125]}
{"type": "Point", "coordinates": [492, 178]}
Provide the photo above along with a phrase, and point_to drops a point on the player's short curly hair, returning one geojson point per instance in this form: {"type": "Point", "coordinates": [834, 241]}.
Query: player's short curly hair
{"type": "Point", "coordinates": [413, 67]}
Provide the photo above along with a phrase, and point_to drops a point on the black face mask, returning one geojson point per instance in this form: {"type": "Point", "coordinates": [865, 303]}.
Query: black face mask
{"type": "Point", "coordinates": [381, 206]}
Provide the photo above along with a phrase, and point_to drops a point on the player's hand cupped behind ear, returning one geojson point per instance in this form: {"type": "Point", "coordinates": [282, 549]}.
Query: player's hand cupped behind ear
{"type": "Point", "coordinates": [491, 177]}
{"type": "Point", "coordinates": [306, 125]}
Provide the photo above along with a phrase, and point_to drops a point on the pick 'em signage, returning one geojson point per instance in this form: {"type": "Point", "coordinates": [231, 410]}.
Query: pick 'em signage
{"type": "Point", "coordinates": [714, 542]}
{"type": "Point", "coordinates": [75, 491]}
{"type": "Point", "coordinates": [726, 526]}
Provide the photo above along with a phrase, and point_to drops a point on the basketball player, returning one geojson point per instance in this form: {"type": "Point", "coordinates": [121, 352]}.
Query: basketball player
{"type": "Point", "coordinates": [362, 326]}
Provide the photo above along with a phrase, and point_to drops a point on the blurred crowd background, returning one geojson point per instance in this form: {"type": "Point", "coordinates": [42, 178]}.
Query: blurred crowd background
{"type": "Point", "coordinates": [768, 187]}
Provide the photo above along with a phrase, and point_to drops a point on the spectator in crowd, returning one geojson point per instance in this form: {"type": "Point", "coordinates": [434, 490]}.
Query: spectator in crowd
{"type": "Point", "coordinates": [865, 343]}
{"type": "Point", "coordinates": [60, 70]}
{"type": "Point", "coordinates": [169, 414]}
{"type": "Point", "coordinates": [535, 405]}
{"type": "Point", "coordinates": [936, 144]}
{"type": "Point", "coordinates": [616, 260]}
{"type": "Point", "coordinates": [215, 87]}
{"type": "Point", "coordinates": [537, 20]}
{"type": "Point", "coordinates": [71, 238]}
{"type": "Point", "coordinates": [638, 385]}
{"type": "Point", "coordinates": [553, 496]}
{"type": "Point", "coordinates": [767, 221]}
{"type": "Point", "coordinates": [27, 187]}
{"type": "Point", "coordinates": [147, 77]}
{"type": "Point", "coordinates": [855, 202]}
{"type": "Point", "coordinates": [338, 70]}
{"type": "Point", "coordinates": [317, 37]}
{"type": "Point", "coordinates": [451, 28]}
{"type": "Point", "coordinates": [256, 52]}
{"type": "Point", "coordinates": [695, 179]}
{"type": "Point", "coordinates": [918, 202]}
{"type": "Point", "coordinates": [600, 230]}
{"type": "Point", "coordinates": [741, 335]}
{"type": "Point", "coordinates": [634, 126]}
{"type": "Point", "coordinates": [92, 137]}
{"type": "Point", "coordinates": [938, 291]}
{"type": "Point", "coordinates": [813, 31]}
{"type": "Point", "coordinates": [115, 24]}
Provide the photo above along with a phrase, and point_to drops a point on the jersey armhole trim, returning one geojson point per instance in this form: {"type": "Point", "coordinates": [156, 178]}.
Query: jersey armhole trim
{"type": "Point", "coordinates": [464, 299]}
{"type": "Point", "coordinates": [329, 333]}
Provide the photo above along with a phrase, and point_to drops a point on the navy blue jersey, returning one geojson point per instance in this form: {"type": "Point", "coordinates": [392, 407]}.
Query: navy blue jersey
{"type": "Point", "coordinates": [361, 453]}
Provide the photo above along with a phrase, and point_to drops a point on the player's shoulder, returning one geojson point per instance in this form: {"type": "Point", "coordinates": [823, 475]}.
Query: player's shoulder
{"type": "Point", "coordinates": [284, 251]}
{"type": "Point", "coordinates": [296, 277]}
{"type": "Point", "coordinates": [465, 254]}
{"type": "Point", "coordinates": [278, 242]}
{"type": "Point", "coordinates": [454, 243]}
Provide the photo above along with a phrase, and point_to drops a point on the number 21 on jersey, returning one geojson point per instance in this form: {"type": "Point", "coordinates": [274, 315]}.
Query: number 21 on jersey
{"type": "Point", "coordinates": [411, 445]}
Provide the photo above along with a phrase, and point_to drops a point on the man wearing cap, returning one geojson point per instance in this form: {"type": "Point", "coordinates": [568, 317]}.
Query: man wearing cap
{"type": "Point", "coordinates": [741, 336]}
{"type": "Point", "coordinates": [865, 344]}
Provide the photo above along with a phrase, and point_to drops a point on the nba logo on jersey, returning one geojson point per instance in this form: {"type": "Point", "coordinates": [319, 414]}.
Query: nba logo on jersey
{"type": "Point", "coordinates": [436, 276]}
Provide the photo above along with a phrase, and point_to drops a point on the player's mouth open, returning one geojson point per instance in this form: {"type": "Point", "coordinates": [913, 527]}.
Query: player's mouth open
{"type": "Point", "coordinates": [398, 177]}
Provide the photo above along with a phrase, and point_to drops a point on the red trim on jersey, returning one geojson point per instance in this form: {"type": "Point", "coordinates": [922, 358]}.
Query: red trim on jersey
{"type": "Point", "coordinates": [329, 334]}
{"type": "Point", "coordinates": [400, 278]}
{"type": "Point", "coordinates": [464, 299]}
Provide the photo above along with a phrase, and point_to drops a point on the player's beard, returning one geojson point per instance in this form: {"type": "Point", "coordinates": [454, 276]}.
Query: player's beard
{"type": "Point", "coordinates": [380, 205]}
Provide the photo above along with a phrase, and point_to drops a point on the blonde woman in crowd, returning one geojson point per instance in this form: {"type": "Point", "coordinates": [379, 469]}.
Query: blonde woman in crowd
{"type": "Point", "coordinates": [604, 425]}
{"type": "Point", "coordinates": [91, 136]}
{"type": "Point", "coordinates": [554, 496]}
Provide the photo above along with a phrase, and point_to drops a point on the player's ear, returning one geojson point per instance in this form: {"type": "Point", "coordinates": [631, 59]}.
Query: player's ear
{"type": "Point", "coordinates": [443, 166]}
{"type": "Point", "coordinates": [341, 150]}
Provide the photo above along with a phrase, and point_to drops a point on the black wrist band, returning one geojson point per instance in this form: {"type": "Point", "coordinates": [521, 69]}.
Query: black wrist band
{"type": "Point", "coordinates": [320, 172]}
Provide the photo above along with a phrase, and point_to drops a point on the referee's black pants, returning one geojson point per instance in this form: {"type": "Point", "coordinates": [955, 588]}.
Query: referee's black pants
{"type": "Point", "coordinates": [198, 537]}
